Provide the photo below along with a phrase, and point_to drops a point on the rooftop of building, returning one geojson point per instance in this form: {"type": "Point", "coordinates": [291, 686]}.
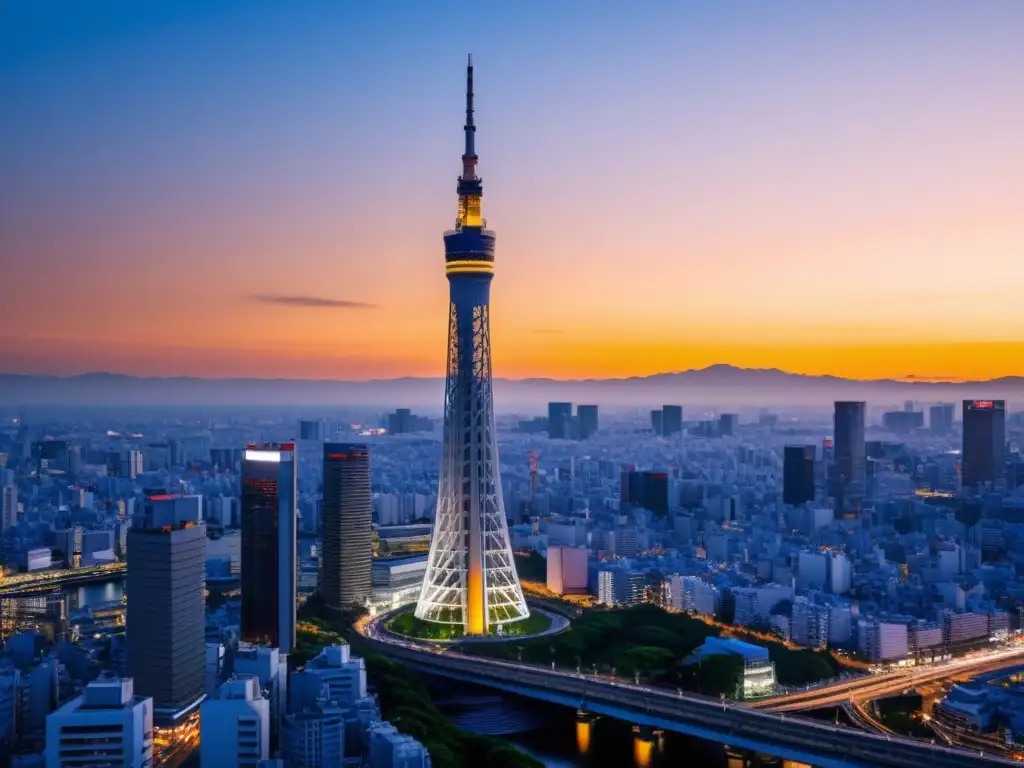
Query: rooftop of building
{"type": "Point", "coordinates": [729, 645]}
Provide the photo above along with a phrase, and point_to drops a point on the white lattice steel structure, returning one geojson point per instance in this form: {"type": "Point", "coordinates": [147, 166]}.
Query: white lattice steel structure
{"type": "Point", "coordinates": [471, 577]}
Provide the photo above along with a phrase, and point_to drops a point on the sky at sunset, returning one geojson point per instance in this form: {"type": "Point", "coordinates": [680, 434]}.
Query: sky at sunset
{"type": "Point", "coordinates": [248, 188]}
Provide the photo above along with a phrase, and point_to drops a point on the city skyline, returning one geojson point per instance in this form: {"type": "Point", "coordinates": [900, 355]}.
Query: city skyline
{"type": "Point", "coordinates": [693, 187]}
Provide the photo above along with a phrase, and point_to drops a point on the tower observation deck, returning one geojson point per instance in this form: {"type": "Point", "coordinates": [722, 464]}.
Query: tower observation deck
{"type": "Point", "coordinates": [471, 577]}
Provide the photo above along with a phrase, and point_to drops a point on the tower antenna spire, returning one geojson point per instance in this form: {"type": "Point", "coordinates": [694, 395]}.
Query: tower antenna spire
{"type": "Point", "coordinates": [469, 157]}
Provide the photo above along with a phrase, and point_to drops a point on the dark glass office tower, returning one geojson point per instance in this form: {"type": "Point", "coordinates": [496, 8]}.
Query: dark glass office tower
{"type": "Point", "coordinates": [645, 490]}
{"type": "Point", "coordinates": [269, 545]}
{"type": "Point", "coordinates": [849, 478]}
{"type": "Point", "coordinates": [798, 474]}
{"type": "Point", "coordinates": [658, 422]}
{"type": "Point", "coordinates": [348, 525]}
{"type": "Point", "coordinates": [671, 419]}
{"type": "Point", "coordinates": [984, 448]}
{"type": "Point", "coordinates": [586, 420]}
{"type": "Point", "coordinates": [559, 420]}
{"type": "Point", "coordinates": [166, 619]}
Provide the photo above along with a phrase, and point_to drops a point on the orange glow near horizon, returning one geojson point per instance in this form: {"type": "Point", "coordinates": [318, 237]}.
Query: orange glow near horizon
{"type": "Point", "coordinates": [205, 209]}
{"type": "Point", "coordinates": [529, 356]}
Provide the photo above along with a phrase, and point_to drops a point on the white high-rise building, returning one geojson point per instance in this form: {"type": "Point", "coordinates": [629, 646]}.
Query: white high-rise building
{"type": "Point", "coordinates": [270, 668]}
{"type": "Point", "coordinates": [343, 675]}
{"type": "Point", "coordinates": [882, 640]}
{"type": "Point", "coordinates": [314, 738]}
{"type": "Point", "coordinates": [391, 749]}
{"type": "Point", "coordinates": [617, 586]}
{"type": "Point", "coordinates": [812, 571]}
{"type": "Point", "coordinates": [693, 595]}
{"type": "Point", "coordinates": [809, 623]}
{"type": "Point", "coordinates": [236, 725]}
{"type": "Point", "coordinates": [107, 725]}
{"type": "Point", "coordinates": [840, 573]}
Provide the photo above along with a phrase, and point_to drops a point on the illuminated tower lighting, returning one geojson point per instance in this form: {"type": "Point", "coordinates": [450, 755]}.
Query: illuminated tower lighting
{"type": "Point", "coordinates": [471, 576]}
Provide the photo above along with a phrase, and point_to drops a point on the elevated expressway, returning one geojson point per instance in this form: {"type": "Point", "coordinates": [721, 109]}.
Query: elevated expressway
{"type": "Point", "coordinates": [738, 725]}
{"type": "Point", "coordinates": [864, 689]}
{"type": "Point", "coordinates": [25, 584]}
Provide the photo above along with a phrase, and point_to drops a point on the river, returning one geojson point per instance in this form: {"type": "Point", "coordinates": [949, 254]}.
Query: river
{"type": "Point", "coordinates": [559, 738]}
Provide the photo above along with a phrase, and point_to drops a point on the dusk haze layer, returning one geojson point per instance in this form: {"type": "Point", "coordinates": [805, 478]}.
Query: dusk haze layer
{"type": "Point", "coordinates": [251, 189]}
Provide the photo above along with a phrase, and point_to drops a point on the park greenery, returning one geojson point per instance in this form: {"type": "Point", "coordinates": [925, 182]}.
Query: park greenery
{"type": "Point", "coordinates": [406, 703]}
{"type": "Point", "coordinates": [404, 698]}
{"type": "Point", "coordinates": [408, 625]}
{"type": "Point", "coordinates": [648, 642]}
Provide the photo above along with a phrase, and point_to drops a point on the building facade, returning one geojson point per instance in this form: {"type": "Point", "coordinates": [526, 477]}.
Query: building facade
{"type": "Point", "coordinates": [984, 446]}
{"type": "Point", "coordinates": [798, 474]}
{"type": "Point", "coordinates": [671, 420]}
{"type": "Point", "coordinates": [586, 421]}
{"type": "Point", "coordinates": [849, 471]}
{"type": "Point", "coordinates": [237, 732]}
{"type": "Point", "coordinates": [269, 555]}
{"type": "Point", "coordinates": [166, 621]}
{"type": "Point", "coordinates": [347, 525]}
{"type": "Point", "coordinates": [107, 725]}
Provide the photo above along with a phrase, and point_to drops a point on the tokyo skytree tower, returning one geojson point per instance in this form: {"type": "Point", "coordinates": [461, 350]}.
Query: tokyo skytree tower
{"type": "Point", "coordinates": [471, 576]}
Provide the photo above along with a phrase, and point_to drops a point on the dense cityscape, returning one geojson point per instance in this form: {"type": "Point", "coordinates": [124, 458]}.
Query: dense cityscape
{"type": "Point", "coordinates": [885, 535]}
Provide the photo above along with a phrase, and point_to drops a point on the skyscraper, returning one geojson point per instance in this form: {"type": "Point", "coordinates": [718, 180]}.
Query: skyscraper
{"type": "Point", "coordinates": [940, 418]}
{"type": "Point", "coordinates": [166, 621]}
{"type": "Point", "coordinates": [644, 490]}
{"type": "Point", "coordinates": [671, 419]}
{"type": "Point", "coordinates": [559, 414]}
{"type": "Point", "coordinates": [471, 577]}
{"type": "Point", "coordinates": [348, 525]}
{"type": "Point", "coordinates": [586, 421]}
{"type": "Point", "coordinates": [850, 469]}
{"type": "Point", "coordinates": [658, 422]}
{"type": "Point", "coordinates": [269, 545]}
{"type": "Point", "coordinates": [798, 474]}
{"type": "Point", "coordinates": [984, 447]}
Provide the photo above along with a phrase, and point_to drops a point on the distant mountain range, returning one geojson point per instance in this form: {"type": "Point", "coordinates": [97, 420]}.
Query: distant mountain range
{"type": "Point", "coordinates": [719, 385]}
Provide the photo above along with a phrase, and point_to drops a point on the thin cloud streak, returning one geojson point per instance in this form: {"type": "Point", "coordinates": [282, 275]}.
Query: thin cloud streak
{"type": "Point", "coordinates": [547, 331]}
{"type": "Point", "coordinates": [312, 301]}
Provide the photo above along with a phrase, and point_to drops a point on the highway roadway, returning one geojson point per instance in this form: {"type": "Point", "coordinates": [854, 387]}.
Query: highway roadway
{"type": "Point", "coordinates": [863, 689]}
{"type": "Point", "coordinates": [735, 724]}
{"type": "Point", "coordinates": [26, 583]}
